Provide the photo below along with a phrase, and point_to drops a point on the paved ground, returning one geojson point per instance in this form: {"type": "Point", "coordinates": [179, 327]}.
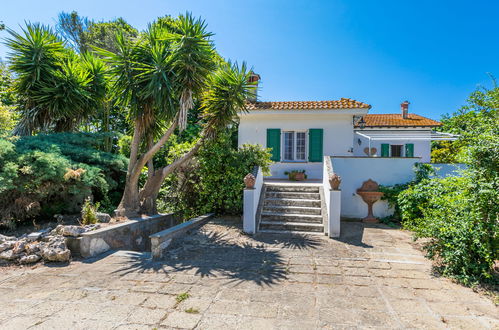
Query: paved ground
{"type": "Point", "coordinates": [220, 279]}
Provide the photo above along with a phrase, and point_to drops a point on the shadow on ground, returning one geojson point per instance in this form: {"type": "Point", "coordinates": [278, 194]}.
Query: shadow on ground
{"type": "Point", "coordinates": [352, 232]}
{"type": "Point", "coordinates": [226, 254]}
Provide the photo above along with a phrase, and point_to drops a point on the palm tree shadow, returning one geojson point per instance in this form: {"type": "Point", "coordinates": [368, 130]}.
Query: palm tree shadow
{"type": "Point", "coordinates": [213, 254]}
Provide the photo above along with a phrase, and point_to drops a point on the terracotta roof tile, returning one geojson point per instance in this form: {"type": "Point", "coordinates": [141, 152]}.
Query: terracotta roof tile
{"type": "Point", "coordinates": [396, 120]}
{"type": "Point", "coordinates": [343, 103]}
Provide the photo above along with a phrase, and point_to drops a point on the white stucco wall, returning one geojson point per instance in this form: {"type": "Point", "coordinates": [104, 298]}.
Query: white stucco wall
{"type": "Point", "coordinates": [355, 170]}
{"type": "Point", "coordinates": [421, 148]}
{"type": "Point", "coordinates": [338, 134]}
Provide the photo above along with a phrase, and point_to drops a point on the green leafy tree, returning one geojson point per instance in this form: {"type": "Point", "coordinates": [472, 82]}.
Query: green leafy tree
{"type": "Point", "coordinates": [480, 111]}
{"type": "Point", "coordinates": [159, 77]}
{"type": "Point", "coordinates": [459, 216]}
{"type": "Point", "coordinates": [212, 181]}
{"type": "Point", "coordinates": [82, 33]}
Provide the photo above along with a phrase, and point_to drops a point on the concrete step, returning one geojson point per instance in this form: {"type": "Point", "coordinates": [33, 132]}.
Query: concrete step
{"type": "Point", "coordinates": [293, 195]}
{"type": "Point", "coordinates": [292, 209]}
{"type": "Point", "coordinates": [290, 232]}
{"type": "Point", "coordinates": [291, 226]}
{"type": "Point", "coordinates": [292, 188]}
{"type": "Point", "coordinates": [290, 217]}
{"type": "Point", "coordinates": [292, 202]}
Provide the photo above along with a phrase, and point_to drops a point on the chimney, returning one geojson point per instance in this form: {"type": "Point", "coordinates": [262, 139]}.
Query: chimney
{"type": "Point", "coordinates": [253, 79]}
{"type": "Point", "coordinates": [404, 107]}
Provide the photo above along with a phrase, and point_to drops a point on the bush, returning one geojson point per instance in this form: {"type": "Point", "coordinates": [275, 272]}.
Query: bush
{"type": "Point", "coordinates": [213, 182]}
{"type": "Point", "coordinates": [48, 174]}
{"type": "Point", "coordinates": [89, 212]}
{"type": "Point", "coordinates": [460, 215]}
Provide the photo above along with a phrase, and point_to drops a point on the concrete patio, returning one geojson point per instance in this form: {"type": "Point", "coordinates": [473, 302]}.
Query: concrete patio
{"type": "Point", "coordinates": [218, 278]}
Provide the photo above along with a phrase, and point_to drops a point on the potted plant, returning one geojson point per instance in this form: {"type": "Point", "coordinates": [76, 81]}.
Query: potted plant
{"type": "Point", "coordinates": [296, 175]}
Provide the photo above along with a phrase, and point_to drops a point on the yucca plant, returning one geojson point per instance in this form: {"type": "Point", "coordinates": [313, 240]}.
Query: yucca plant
{"type": "Point", "coordinates": [158, 77]}
{"type": "Point", "coordinates": [58, 89]}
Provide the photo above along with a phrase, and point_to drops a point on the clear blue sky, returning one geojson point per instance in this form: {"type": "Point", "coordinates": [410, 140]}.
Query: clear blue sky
{"type": "Point", "coordinates": [432, 53]}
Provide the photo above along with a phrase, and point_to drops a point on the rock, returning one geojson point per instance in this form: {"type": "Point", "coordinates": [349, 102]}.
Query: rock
{"type": "Point", "coordinates": [8, 255]}
{"type": "Point", "coordinates": [94, 226]}
{"type": "Point", "coordinates": [58, 230]}
{"type": "Point", "coordinates": [73, 231]}
{"type": "Point", "coordinates": [38, 234]}
{"type": "Point", "coordinates": [103, 217]}
{"type": "Point", "coordinates": [4, 238]}
{"type": "Point", "coordinates": [56, 250]}
{"type": "Point", "coordinates": [19, 247]}
{"type": "Point", "coordinates": [33, 248]}
{"type": "Point", "coordinates": [30, 259]}
{"type": "Point", "coordinates": [7, 245]}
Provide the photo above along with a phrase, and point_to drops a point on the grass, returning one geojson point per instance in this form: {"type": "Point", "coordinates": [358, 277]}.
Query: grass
{"type": "Point", "coordinates": [192, 311]}
{"type": "Point", "coordinates": [181, 297]}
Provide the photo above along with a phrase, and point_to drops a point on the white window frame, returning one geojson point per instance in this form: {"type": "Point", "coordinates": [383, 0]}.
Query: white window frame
{"type": "Point", "coordinates": [283, 146]}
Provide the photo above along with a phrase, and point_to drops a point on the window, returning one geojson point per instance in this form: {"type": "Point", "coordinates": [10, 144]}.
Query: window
{"type": "Point", "coordinates": [295, 146]}
{"type": "Point", "coordinates": [396, 150]}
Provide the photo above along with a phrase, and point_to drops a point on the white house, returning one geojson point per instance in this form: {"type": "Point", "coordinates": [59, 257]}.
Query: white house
{"type": "Point", "coordinates": [325, 138]}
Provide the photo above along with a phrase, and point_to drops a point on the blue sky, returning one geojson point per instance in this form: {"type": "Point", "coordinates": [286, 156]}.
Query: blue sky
{"type": "Point", "coordinates": [432, 53]}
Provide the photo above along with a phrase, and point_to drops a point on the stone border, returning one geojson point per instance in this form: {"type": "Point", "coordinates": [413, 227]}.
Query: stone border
{"type": "Point", "coordinates": [160, 241]}
{"type": "Point", "coordinates": [131, 235]}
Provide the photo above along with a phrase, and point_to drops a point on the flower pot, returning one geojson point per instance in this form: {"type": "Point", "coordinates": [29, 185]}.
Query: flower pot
{"type": "Point", "coordinates": [299, 177]}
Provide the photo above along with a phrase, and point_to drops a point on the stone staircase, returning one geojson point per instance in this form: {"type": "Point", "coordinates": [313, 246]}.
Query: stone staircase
{"type": "Point", "coordinates": [291, 208]}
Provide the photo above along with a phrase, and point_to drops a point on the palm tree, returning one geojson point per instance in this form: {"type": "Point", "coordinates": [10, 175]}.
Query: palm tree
{"type": "Point", "coordinates": [158, 77]}
{"type": "Point", "coordinates": [228, 89]}
{"type": "Point", "coordinates": [57, 88]}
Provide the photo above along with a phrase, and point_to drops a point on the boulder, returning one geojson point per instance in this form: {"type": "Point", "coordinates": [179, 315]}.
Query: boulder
{"type": "Point", "coordinates": [30, 259]}
{"type": "Point", "coordinates": [33, 248]}
{"type": "Point", "coordinates": [103, 217]}
{"type": "Point", "coordinates": [72, 231]}
{"type": "Point", "coordinates": [57, 231]}
{"type": "Point", "coordinates": [8, 255]}
{"type": "Point", "coordinates": [20, 246]}
{"type": "Point", "coordinates": [4, 238]}
{"type": "Point", "coordinates": [7, 245]}
{"type": "Point", "coordinates": [56, 250]}
{"type": "Point", "coordinates": [38, 234]}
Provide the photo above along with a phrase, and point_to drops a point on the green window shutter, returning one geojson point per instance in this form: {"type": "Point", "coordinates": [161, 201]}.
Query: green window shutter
{"type": "Point", "coordinates": [274, 142]}
{"type": "Point", "coordinates": [409, 150]}
{"type": "Point", "coordinates": [385, 150]}
{"type": "Point", "coordinates": [315, 137]}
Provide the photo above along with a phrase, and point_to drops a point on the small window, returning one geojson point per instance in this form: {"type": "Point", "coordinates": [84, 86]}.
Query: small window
{"type": "Point", "coordinates": [396, 150]}
{"type": "Point", "coordinates": [295, 146]}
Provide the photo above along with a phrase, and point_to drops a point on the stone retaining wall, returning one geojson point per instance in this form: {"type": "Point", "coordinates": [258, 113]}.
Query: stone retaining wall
{"type": "Point", "coordinates": [132, 235]}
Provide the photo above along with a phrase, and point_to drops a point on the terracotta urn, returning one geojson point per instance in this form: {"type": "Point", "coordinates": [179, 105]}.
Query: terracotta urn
{"type": "Point", "coordinates": [370, 195]}
{"type": "Point", "coordinates": [335, 181]}
{"type": "Point", "coordinates": [249, 181]}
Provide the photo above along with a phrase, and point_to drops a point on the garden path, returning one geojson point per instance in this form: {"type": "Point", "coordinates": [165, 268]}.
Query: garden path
{"type": "Point", "coordinates": [219, 278]}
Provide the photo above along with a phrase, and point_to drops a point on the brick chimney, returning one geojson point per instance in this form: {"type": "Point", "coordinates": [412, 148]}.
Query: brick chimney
{"type": "Point", "coordinates": [404, 107]}
{"type": "Point", "coordinates": [254, 79]}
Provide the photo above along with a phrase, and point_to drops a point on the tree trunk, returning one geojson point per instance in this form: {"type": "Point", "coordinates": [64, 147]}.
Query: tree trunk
{"type": "Point", "coordinates": [129, 204]}
{"type": "Point", "coordinates": [149, 193]}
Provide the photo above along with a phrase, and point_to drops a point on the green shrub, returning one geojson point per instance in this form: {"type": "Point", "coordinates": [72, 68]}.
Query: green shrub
{"type": "Point", "coordinates": [89, 212]}
{"type": "Point", "coordinates": [459, 216]}
{"type": "Point", "coordinates": [213, 182]}
{"type": "Point", "coordinates": [48, 174]}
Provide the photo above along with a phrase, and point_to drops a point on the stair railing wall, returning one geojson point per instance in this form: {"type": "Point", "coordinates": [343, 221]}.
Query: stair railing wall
{"type": "Point", "coordinates": [332, 200]}
{"type": "Point", "coordinates": [251, 200]}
